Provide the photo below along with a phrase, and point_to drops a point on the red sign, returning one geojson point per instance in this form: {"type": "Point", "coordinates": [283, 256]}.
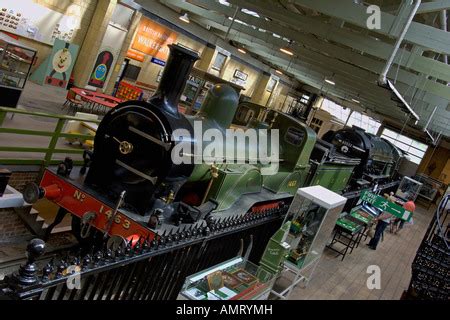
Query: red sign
{"type": "Point", "coordinates": [152, 39]}
{"type": "Point", "coordinates": [135, 55]}
{"type": "Point", "coordinates": [78, 202]}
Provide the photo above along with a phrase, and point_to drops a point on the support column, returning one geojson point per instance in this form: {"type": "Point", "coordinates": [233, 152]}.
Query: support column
{"type": "Point", "coordinates": [91, 44]}
{"type": "Point", "coordinates": [123, 52]}
{"type": "Point", "coordinates": [260, 95]}
{"type": "Point", "coordinates": [206, 58]}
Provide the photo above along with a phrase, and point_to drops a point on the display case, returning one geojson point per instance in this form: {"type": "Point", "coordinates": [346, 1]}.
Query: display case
{"type": "Point", "coordinates": [430, 186]}
{"type": "Point", "coordinates": [313, 215]}
{"type": "Point", "coordinates": [408, 188]}
{"type": "Point", "coordinates": [235, 279]}
{"type": "Point", "coordinates": [15, 64]}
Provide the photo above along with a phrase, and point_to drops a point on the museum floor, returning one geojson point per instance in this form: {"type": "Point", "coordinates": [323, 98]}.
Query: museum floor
{"type": "Point", "coordinates": [336, 279]}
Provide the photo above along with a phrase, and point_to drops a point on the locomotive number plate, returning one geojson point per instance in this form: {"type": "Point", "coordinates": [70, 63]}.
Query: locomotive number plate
{"type": "Point", "coordinates": [78, 202]}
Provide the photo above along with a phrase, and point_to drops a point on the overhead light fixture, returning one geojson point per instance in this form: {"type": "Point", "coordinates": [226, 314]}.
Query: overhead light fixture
{"type": "Point", "coordinates": [278, 71]}
{"type": "Point", "coordinates": [355, 101]}
{"type": "Point", "coordinates": [330, 80]}
{"type": "Point", "coordinates": [287, 51]}
{"type": "Point", "coordinates": [242, 50]}
{"type": "Point", "coordinates": [184, 17]}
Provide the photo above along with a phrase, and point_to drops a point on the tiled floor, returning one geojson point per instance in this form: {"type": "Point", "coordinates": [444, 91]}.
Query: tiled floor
{"type": "Point", "coordinates": [336, 279]}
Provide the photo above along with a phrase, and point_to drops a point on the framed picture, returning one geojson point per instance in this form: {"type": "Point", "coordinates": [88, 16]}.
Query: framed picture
{"type": "Point", "coordinates": [240, 75]}
{"type": "Point", "coordinates": [244, 276]}
{"type": "Point", "coordinates": [230, 281]}
{"type": "Point", "coordinates": [215, 280]}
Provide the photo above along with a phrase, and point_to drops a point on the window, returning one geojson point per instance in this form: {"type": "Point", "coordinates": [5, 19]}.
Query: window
{"type": "Point", "coordinates": [415, 149]}
{"type": "Point", "coordinates": [219, 61]}
{"type": "Point", "coordinates": [335, 110]}
{"type": "Point", "coordinates": [363, 121]}
{"type": "Point", "coordinates": [356, 119]}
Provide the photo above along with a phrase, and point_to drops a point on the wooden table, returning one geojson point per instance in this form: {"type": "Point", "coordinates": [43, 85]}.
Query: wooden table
{"type": "Point", "coordinates": [96, 100]}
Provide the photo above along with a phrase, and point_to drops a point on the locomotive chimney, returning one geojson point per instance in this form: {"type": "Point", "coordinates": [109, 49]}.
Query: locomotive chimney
{"type": "Point", "coordinates": [173, 80]}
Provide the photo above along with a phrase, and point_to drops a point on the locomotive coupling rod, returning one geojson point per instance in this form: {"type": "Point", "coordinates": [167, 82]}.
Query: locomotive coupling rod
{"type": "Point", "coordinates": [113, 216]}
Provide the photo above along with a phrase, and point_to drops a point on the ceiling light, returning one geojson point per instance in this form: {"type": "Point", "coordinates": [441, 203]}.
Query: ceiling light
{"type": "Point", "coordinates": [287, 51]}
{"type": "Point", "coordinates": [355, 101]}
{"type": "Point", "coordinates": [184, 17]}
{"type": "Point", "coordinates": [330, 81]}
{"type": "Point", "coordinates": [242, 50]}
{"type": "Point", "coordinates": [278, 71]}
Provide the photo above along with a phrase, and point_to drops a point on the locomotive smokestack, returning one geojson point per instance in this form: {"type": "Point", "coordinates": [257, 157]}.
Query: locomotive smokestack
{"type": "Point", "coordinates": [173, 80]}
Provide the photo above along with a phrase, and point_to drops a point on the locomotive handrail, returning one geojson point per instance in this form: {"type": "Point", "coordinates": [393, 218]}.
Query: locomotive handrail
{"type": "Point", "coordinates": [54, 135]}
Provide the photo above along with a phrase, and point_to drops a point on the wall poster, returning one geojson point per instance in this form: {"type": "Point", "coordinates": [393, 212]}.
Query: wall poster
{"type": "Point", "coordinates": [31, 20]}
{"type": "Point", "coordinates": [152, 38]}
{"type": "Point", "coordinates": [57, 67]}
{"type": "Point", "coordinates": [107, 56]}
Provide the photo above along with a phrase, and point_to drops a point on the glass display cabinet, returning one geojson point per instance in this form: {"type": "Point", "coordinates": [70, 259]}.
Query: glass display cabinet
{"type": "Point", "coordinates": [430, 186]}
{"type": "Point", "coordinates": [15, 64]}
{"type": "Point", "coordinates": [408, 187]}
{"type": "Point", "coordinates": [235, 279]}
{"type": "Point", "coordinates": [313, 215]}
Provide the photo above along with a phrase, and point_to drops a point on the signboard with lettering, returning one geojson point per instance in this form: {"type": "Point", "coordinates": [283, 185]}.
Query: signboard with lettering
{"type": "Point", "coordinates": [240, 75]}
{"type": "Point", "coordinates": [157, 61]}
{"type": "Point", "coordinates": [135, 55]}
{"type": "Point", "coordinates": [386, 205]}
{"type": "Point", "coordinates": [152, 39]}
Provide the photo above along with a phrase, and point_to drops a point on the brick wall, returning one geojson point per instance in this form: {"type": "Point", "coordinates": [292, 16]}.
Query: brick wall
{"type": "Point", "coordinates": [11, 226]}
{"type": "Point", "coordinates": [19, 179]}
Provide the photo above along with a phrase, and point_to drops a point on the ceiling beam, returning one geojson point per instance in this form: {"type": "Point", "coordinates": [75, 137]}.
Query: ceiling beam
{"type": "Point", "coordinates": [370, 88]}
{"type": "Point", "coordinates": [332, 64]}
{"type": "Point", "coordinates": [362, 43]}
{"type": "Point", "coordinates": [426, 36]}
{"type": "Point", "coordinates": [437, 5]}
{"type": "Point", "coordinates": [410, 79]}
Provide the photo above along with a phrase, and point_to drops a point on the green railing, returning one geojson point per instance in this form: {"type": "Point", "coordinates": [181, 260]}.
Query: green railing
{"type": "Point", "coordinates": [49, 150]}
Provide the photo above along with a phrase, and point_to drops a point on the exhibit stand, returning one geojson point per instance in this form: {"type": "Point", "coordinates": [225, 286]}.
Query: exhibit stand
{"type": "Point", "coordinates": [234, 279]}
{"type": "Point", "coordinates": [313, 215]}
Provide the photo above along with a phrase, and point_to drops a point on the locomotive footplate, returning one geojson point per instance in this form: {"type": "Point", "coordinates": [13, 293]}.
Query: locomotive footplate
{"type": "Point", "coordinates": [81, 200]}
{"type": "Point", "coordinates": [77, 198]}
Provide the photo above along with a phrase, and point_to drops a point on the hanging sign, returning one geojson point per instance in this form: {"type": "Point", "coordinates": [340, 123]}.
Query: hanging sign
{"type": "Point", "coordinates": [386, 205]}
{"type": "Point", "coordinates": [152, 38]}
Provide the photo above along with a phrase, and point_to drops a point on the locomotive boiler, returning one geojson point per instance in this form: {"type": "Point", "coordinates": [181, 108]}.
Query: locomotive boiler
{"type": "Point", "coordinates": [378, 157]}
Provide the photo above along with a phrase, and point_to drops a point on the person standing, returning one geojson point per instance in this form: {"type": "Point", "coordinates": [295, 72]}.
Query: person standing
{"type": "Point", "coordinates": [383, 221]}
{"type": "Point", "coordinates": [410, 206]}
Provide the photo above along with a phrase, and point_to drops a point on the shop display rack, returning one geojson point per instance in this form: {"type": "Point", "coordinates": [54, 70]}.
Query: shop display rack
{"type": "Point", "coordinates": [431, 266]}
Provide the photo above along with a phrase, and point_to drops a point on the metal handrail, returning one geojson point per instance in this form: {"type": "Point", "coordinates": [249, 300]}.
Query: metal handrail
{"type": "Point", "coordinates": [54, 135]}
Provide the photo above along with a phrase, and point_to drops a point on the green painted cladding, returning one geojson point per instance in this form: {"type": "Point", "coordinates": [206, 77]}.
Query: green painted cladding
{"type": "Point", "coordinates": [334, 177]}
